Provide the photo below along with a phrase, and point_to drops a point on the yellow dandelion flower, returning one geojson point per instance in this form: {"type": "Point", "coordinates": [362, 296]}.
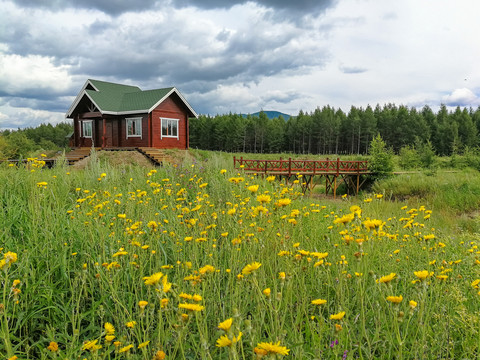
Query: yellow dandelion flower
{"type": "Point", "coordinates": [422, 275]}
{"type": "Point", "coordinates": [223, 341]}
{"type": "Point", "coordinates": [142, 304]}
{"type": "Point", "coordinates": [282, 275]}
{"type": "Point", "coordinates": [253, 188]}
{"type": "Point", "coordinates": [273, 348]}
{"type": "Point", "coordinates": [226, 325]}
{"type": "Point", "coordinates": [53, 346]}
{"type": "Point", "coordinates": [338, 316]}
{"type": "Point", "coordinates": [125, 348]}
{"type": "Point", "coordinates": [319, 301]}
{"type": "Point", "coordinates": [247, 270]}
{"type": "Point", "coordinates": [263, 198]}
{"type": "Point", "coordinates": [159, 355]}
{"type": "Point", "coordinates": [267, 292]}
{"type": "Point", "coordinates": [387, 278]}
{"type": "Point", "coordinates": [109, 328]}
{"type": "Point", "coordinates": [131, 324]}
{"type": "Point", "coordinates": [109, 338]}
{"type": "Point", "coordinates": [191, 307]}
{"type": "Point", "coordinates": [153, 279]}
{"type": "Point", "coordinates": [413, 304]}
{"type": "Point", "coordinates": [395, 299]}
{"type": "Point", "coordinates": [142, 345]}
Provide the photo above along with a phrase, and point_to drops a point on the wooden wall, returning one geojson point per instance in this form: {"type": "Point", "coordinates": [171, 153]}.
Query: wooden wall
{"type": "Point", "coordinates": [172, 108]}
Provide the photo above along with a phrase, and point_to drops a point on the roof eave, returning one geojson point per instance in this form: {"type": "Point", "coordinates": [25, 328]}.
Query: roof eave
{"type": "Point", "coordinates": [79, 97]}
{"type": "Point", "coordinates": [174, 90]}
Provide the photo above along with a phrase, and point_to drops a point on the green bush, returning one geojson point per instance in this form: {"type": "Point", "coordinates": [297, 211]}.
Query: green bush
{"type": "Point", "coordinates": [380, 163]}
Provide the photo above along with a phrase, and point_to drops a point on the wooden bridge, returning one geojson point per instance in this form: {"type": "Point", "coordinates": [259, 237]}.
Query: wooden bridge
{"type": "Point", "coordinates": [352, 173]}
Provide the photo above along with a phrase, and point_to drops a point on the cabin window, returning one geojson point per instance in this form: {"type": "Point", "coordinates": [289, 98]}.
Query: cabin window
{"type": "Point", "coordinates": [134, 127]}
{"type": "Point", "coordinates": [169, 128]}
{"type": "Point", "coordinates": [87, 128]}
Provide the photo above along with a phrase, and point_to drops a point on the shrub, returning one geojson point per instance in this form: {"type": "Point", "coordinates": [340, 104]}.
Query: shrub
{"type": "Point", "coordinates": [380, 163]}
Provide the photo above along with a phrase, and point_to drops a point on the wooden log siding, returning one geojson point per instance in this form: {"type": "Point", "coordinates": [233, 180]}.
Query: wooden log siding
{"type": "Point", "coordinates": [309, 169]}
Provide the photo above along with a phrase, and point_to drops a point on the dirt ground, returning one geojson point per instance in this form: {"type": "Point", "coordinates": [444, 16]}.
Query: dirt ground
{"type": "Point", "coordinates": [117, 158]}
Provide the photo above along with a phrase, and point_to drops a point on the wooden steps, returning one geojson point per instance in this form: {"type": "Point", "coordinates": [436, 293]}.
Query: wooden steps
{"type": "Point", "coordinates": [78, 154]}
{"type": "Point", "coordinates": [157, 156]}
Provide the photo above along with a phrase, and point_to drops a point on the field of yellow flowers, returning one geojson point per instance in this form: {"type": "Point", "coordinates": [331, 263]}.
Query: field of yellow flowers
{"type": "Point", "coordinates": [201, 261]}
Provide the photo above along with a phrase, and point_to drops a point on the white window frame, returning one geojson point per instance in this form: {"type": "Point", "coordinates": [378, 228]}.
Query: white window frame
{"type": "Point", "coordinates": [84, 126]}
{"type": "Point", "coordinates": [161, 128]}
{"type": "Point", "coordinates": [138, 126]}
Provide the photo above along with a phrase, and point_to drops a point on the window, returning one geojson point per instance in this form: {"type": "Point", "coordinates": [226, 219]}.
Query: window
{"type": "Point", "coordinates": [134, 127]}
{"type": "Point", "coordinates": [87, 128]}
{"type": "Point", "coordinates": [169, 128]}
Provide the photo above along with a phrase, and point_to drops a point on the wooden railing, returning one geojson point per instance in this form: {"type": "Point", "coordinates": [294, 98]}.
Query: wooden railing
{"type": "Point", "coordinates": [312, 167]}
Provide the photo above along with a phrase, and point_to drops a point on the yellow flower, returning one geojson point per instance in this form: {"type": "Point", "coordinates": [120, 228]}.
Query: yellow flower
{"type": "Point", "coordinates": [319, 302]}
{"type": "Point", "coordinates": [387, 278]}
{"type": "Point", "coordinates": [53, 347]}
{"type": "Point", "coordinates": [223, 341]}
{"type": "Point", "coordinates": [344, 219]}
{"type": "Point", "coordinates": [223, 171]}
{"type": "Point", "coordinates": [395, 299]}
{"type": "Point", "coordinates": [282, 275]}
{"type": "Point", "coordinates": [192, 307]}
{"type": "Point", "coordinates": [163, 303]}
{"type": "Point", "coordinates": [262, 199]}
{"type": "Point", "coordinates": [91, 346]}
{"type": "Point", "coordinates": [125, 349]}
{"type": "Point", "coordinates": [272, 348]}
{"type": "Point", "coordinates": [283, 202]}
{"type": "Point", "coordinates": [267, 292]}
{"type": "Point", "coordinates": [253, 188]}
{"type": "Point", "coordinates": [422, 275]}
{"type": "Point", "coordinates": [413, 304]}
{"type": "Point", "coordinates": [225, 325]}
{"type": "Point", "coordinates": [270, 178]}
{"type": "Point", "coordinates": [109, 328]}
{"type": "Point", "coordinates": [206, 269]}
{"type": "Point", "coordinates": [131, 324]}
{"type": "Point", "coordinates": [109, 338]}
{"type": "Point", "coordinates": [142, 345]}
{"type": "Point", "coordinates": [142, 304]}
{"type": "Point", "coordinates": [247, 270]}
{"type": "Point", "coordinates": [159, 355]}
{"type": "Point", "coordinates": [338, 316]}
{"type": "Point", "coordinates": [153, 279]}
{"type": "Point", "coordinates": [197, 297]}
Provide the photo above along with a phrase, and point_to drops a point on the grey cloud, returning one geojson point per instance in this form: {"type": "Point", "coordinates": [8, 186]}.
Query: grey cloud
{"type": "Point", "coordinates": [295, 6]}
{"type": "Point", "coordinates": [352, 69]}
{"type": "Point", "coordinates": [116, 7]}
{"type": "Point", "coordinates": [112, 7]}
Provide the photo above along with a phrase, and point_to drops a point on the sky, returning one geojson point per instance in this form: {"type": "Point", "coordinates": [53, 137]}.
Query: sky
{"type": "Point", "coordinates": [239, 56]}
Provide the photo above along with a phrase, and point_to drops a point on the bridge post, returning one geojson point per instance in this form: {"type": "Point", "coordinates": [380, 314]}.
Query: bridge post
{"type": "Point", "coordinates": [289, 167]}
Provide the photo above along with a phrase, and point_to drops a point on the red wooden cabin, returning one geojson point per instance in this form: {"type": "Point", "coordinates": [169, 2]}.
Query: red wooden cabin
{"type": "Point", "coordinates": [110, 115]}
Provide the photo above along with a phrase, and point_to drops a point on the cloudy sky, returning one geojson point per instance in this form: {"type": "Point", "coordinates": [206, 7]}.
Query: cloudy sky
{"type": "Point", "coordinates": [239, 56]}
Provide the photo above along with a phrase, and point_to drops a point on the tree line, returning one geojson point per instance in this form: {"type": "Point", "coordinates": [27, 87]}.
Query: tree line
{"type": "Point", "coordinates": [331, 131]}
{"type": "Point", "coordinates": [22, 142]}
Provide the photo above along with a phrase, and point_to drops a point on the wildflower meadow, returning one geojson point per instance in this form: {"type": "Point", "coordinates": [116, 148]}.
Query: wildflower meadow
{"type": "Point", "coordinates": [202, 261]}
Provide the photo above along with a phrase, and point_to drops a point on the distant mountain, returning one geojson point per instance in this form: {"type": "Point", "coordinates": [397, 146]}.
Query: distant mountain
{"type": "Point", "coordinates": [270, 114]}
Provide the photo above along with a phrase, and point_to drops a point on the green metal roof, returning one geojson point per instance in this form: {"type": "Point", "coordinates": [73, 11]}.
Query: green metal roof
{"type": "Point", "coordinates": [121, 99]}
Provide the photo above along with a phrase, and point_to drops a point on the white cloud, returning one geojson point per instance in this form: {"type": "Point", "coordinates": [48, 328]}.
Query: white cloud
{"type": "Point", "coordinates": [461, 97]}
{"type": "Point", "coordinates": [21, 74]}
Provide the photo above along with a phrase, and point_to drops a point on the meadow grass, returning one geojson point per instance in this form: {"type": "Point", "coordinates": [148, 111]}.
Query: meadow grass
{"type": "Point", "coordinates": [140, 263]}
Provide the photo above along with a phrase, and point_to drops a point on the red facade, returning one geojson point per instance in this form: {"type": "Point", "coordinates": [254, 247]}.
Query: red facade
{"type": "Point", "coordinates": [164, 127]}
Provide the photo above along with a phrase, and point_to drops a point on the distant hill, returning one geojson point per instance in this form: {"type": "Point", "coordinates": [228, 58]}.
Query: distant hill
{"type": "Point", "coordinates": [270, 114]}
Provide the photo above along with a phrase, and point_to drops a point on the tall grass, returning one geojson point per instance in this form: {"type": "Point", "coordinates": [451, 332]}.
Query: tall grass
{"type": "Point", "coordinates": [88, 240]}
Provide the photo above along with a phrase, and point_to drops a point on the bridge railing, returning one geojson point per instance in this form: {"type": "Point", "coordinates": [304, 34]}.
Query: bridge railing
{"type": "Point", "coordinates": [291, 166]}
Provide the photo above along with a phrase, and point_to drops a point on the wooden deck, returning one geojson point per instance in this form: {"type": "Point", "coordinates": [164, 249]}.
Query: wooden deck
{"type": "Point", "coordinates": [352, 173]}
